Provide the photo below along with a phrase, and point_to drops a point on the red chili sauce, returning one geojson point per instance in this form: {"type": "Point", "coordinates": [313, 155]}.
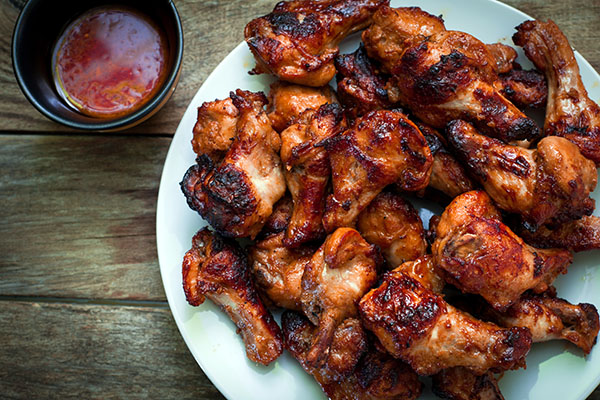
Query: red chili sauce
{"type": "Point", "coordinates": [109, 62]}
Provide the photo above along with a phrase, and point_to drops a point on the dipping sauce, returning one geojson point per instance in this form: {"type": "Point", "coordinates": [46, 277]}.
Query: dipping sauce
{"type": "Point", "coordinates": [109, 62]}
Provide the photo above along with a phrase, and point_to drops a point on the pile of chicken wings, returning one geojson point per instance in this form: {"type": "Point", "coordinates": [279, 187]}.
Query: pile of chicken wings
{"type": "Point", "coordinates": [316, 178]}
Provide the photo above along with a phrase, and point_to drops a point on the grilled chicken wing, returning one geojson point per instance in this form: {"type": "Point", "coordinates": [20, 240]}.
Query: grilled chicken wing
{"type": "Point", "coordinates": [550, 183]}
{"type": "Point", "coordinates": [217, 269]}
{"type": "Point", "coordinates": [419, 327]}
{"type": "Point", "coordinates": [237, 194]}
{"type": "Point", "coordinates": [524, 88]}
{"type": "Point", "coordinates": [360, 87]}
{"type": "Point", "coordinates": [479, 254]}
{"type": "Point", "coordinates": [423, 269]}
{"type": "Point", "coordinates": [447, 174]}
{"type": "Point", "coordinates": [460, 383]}
{"type": "Point", "coordinates": [307, 170]}
{"type": "Point", "coordinates": [579, 235]}
{"type": "Point", "coordinates": [381, 148]}
{"type": "Point", "coordinates": [443, 75]}
{"type": "Point", "coordinates": [570, 112]}
{"type": "Point", "coordinates": [215, 128]}
{"type": "Point", "coordinates": [393, 224]}
{"type": "Point", "coordinates": [298, 40]}
{"type": "Point", "coordinates": [374, 376]}
{"type": "Point", "coordinates": [548, 318]}
{"type": "Point", "coordinates": [338, 275]}
{"type": "Point", "coordinates": [287, 101]}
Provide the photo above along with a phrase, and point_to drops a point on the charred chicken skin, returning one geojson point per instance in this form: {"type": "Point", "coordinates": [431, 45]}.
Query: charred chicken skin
{"type": "Point", "coordinates": [551, 183]}
{"type": "Point", "coordinates": [443, 75]}
{"type": "Point", "coordinates": [479, 254]}
{"type": "Point", "coordinates": [549, 318]}
{"type": "Point", "coordinates": [342, 270]}
{"type": "Point", "coordinates": [352, 371]}
{"type": "Point", "coordinates": [236, 195]}
{"type": "Point", "coordinates": [393, 224]}
{"type": "Point", "coordinates": [570, 112]}
{"type": "Point", "coordinates": [287, 101]}
{"type": "Point", "coordinates": [217, 269]}
{"type": "Point", "coordinates": [419, 327]}
{"type": "Point", "coordinates": [307, 171]}
{"type": "Point", "coordinates": [579, 235]}
{"type": "Point", "coordinates": [381, 148]}
{"type": "Point", "coordinates": [460, 383]}
{"type": "Point", "coordinates": [297, 41]}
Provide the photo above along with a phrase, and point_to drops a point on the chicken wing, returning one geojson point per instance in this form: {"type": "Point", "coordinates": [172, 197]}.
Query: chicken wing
{"type": "Point", "coordinates": [480, 255]}
{"type": "Point", "coordinates": [419, 327]}
{"type": "Point", "coordinates": [549, 318]}
{"type": "Point", "coordinates": [570, 112]}
{"type": "Point", "coordinates": [460, 383]}
{"type": "Point", "coordinates": [307, 170]}
{"type": "Point", "coordinates": [360, 87]}
{"type": "Point", "coordinates": [338, 275]}
{"type": "Point", "coordinates": [424, 270]}
{"type": "Point", "coordinates": [298, 40]}
{"type": "Point", "coordinates": [549, 184]}
{"type": "Point", "coordinates": [524, 88]}
{"type": "Point", "coordinates": [287, 101]}
{"type": "Point", "coordinates": [217, 269]}
{"type": "Point", "coordinates": [236, 196]}
{"type": "Point", "coordinates": [579, 235]}
{"type": "Point", "coordinates": [374, 376]}
{"type": "Point", "coordinates": [443, 75]}
{"type": "Point", "coordinates": [215, 128]}
{"type": "Point", "coordinates": [393, 224]}
{"type": "Point", "coordinates": [381, 148]}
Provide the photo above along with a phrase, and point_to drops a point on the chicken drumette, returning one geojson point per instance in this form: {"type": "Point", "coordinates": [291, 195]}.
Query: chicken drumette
{"type": "Point", "coordinates": [551, 183]}
{"type": "Point", "coordinates": [442, 75]}
{"type": "Point", "coordinates": [342, 270]}
{"type": "Point", "coordinates": [392, 224]}
{"type": "Point", "coordinates": [478, 254]}
{"type": "Point", "coordinates": [381, 148]}
{"type": "Point", "coordinates": [236, 195]}
{"type": "Point", "coordinates": [217, 269]}
{"type": "Point", "coordinates": [297, 41]}
{"type": "Point", "coordinates": [570, 112]}
{"type": "Point", "coordinates": [287, 101]}
{"type": "Point", "coordinates": [579, 235]}
{"type": "Point", "coordinates": [307, 170]}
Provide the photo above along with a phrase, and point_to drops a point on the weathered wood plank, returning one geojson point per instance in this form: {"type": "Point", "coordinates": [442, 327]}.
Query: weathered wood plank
{"type": "Point", "coordinates": [213, 28]}
{"type": "Point", "coordinates": [58, 351]}
{"type": "Point", "coordinates": [78, 216]}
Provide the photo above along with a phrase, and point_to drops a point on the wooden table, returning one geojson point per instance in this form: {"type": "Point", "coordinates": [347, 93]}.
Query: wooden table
{"type": "Point", "coordinates": [82, 308]}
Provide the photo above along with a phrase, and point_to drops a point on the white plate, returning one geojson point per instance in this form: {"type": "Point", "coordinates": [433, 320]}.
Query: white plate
{"type": "Point", "coordinates": [555, 370]}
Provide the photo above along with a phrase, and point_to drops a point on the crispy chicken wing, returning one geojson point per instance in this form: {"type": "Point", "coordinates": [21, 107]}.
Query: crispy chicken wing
{"type": "Point", "coordinates": [460, 383]}
{"type": "Point", "coordinates": [360, 87]}
{"type": "Point", "coordinates": [307, 170]}
{"type": "Point", "coordinates": [237, 194]}
{"type": "Point", "coordinates": [550, 183]}
{"type": "Point", "coordinates": [365, 376]}
{"type": "Point", "coordinates": [287, 101]}
{"type": "Point", "coordinates": [548, 318]}
{"type": "Point", "coordinates": [298, 40]}
{"type": "Point", "coordinates": [443, 75]}
{"type": "Point", "coordinates": [218, 269]}
{"type": "Point", "coordinates": [447, 174]}
{"type": "Point", "coordinates": [393, 224]}
{"type": "Point", "coordinates": [570, 112]}
{"type": "Point", "coordinates": [381, 148]}
{"type": "Point", "coordinates": [480, 255]}
{"type": "Point", "coordinates": [215, 128]}
{"type": "Point", "coordinates": [579, 235]}
{"type": "Point", "coordinates": [338, 275]}
{"type": "Point", "coordinates": [419, 327]}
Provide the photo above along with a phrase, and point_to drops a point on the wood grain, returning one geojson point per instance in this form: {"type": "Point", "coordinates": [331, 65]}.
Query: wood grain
{"type": "Point", "coordinates": [78, 216]}
{"type": "Point", "coordinates": [60, 351]}
{"type": "Point", "coordinates": [213, 28]}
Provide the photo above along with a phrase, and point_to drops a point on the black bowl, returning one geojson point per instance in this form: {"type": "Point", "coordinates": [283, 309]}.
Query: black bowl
{"type": "Point", "coordinates": [39, 26]}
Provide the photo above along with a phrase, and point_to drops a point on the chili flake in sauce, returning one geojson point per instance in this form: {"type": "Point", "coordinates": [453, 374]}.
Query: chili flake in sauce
{"type": "Point", "coordinates": [109, 62]}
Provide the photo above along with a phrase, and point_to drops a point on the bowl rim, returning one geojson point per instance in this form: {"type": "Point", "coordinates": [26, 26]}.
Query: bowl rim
{"type": "Point", "coordinates": [124, 122]}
